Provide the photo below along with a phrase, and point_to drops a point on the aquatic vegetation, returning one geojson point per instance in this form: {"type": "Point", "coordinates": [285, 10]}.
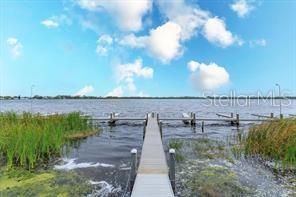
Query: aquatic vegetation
{"type": "Point", "coordinates": [27, 140]}
{"type": "Point", "coordinates": [275, 140]}
{"type": "Point", "coordinates": [177, 145]}
{"type": "Point", "coordinates": [19, 182]}
{"type": "Point", "coordinates": [215, 181]}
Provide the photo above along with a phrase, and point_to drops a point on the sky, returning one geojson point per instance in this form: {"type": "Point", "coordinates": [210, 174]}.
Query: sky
{"type": "Point", "coordinates": [147, 47]}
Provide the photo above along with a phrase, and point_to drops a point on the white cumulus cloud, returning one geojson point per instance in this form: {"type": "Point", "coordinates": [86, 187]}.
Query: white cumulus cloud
{"type": "Point", "coordinates": [128, 13]}
{"type": "Point", "coordinates": [103, 44]}
{"type": "Point", "coordinates": [15, 47]}
{"type": "Point", "coordinates": [183, 21]}
{"type": "Point", "coordinates": [215, 32]}
{"type": "Point", "coordinates": [128, 71]}
{"type": "Point", "coordinates": [189, 18]}
{"type": "Point", "coordinates": [125, 75]}
{"type": "Point", "coordinates": [56, 21]}
{"type": "Point", "coordinates": [86, 90]}
{"type": "Point", "coordinates": [258, 42]}
{"type": "Point", "coordinates": [207, 76]}
{"type": "Point", "coordinates": [164, 42]}
{"type": "Point", "coordinates": [242, 7]}
{"type": "Point", "coordinates": [49, 23]}
{"type": "Point", "coordinates": [116, 92]}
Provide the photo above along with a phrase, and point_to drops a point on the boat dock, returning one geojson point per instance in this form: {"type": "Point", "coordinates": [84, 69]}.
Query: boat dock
{"type": "Point", "coordinates": [152, 179]}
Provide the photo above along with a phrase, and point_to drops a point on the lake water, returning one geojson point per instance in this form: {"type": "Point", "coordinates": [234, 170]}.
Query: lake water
{"type": "Point", "coordinates": [104, 159]}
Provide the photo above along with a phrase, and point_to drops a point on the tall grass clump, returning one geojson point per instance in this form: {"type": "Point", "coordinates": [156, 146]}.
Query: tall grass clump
{"type": "Point", "coordinates": [275, 140]}
{"type": "Point", "coordinates": [27, 140]}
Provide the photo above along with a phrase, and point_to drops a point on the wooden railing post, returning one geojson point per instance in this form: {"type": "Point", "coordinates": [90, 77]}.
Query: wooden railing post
{"type": "Point", "coordinates": [172, 161]}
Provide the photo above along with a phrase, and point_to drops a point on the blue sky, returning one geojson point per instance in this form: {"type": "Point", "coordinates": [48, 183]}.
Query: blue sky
{"type": "Point", "coordinates": [143, 47]}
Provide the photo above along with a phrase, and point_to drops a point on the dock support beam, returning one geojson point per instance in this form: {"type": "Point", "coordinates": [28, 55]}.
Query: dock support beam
{"type": "Point", "coordinates": [172, 162]}
{"type": "Point", "coordinates": [133, 171]}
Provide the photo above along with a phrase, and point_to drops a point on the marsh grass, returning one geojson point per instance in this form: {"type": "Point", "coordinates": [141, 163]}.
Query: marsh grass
{"type": "Point", "coordinates": [27, 140]}
{"type": "Point", "coordinates": [177, 144]}
{"type": "Point", "coordinates": [275, 140]}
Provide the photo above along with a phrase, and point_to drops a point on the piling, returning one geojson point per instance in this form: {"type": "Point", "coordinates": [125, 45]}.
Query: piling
{"type": "Point", "coordinates": [133, 171]}
{"type": "Point", "coordinates": [271, 115]}
{"type": "Point", "coordinates": [237, 119]}
{"type": "Point", "coordinates": [172, 161]}
{"type": "Point", "coordinates": [144, 129]}
{"type": "Point", "coordinates": [193, 120]}
{"type": "Point", "coordinates": [160, 128]}
{"type": "Point", "coordinates": [202, 126]}
{"type": "Point", "coordinates": [231, 115]}
{"type": "Point", "coordinates": [281, 116]}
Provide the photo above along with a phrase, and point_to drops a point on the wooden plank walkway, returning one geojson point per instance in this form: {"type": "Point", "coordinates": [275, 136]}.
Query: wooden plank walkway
{"type": "Point", "coordinates": [152, 178]}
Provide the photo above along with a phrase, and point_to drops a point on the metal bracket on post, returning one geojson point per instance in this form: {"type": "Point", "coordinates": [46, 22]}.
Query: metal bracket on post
{"type": "Point", "coordinates": [172, 161]}
{"type": "Point", "coordinates": [133, 171]}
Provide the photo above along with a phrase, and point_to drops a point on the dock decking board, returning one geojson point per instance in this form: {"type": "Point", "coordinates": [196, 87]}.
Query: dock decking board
{"type": "Point", "coordinates": [152, 178]}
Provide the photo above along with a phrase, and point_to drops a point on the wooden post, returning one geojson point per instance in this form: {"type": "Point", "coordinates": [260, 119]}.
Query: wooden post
{"type": "Point", "coordinates": [271, 115]}
{"type": "Point", "coordinates": [193, 120]}
{"type": "Point", "coordinates": [160, 128]}
{"type": "Point", "coordinates": [146, 119]}
{"type": "Point", "coordinates": [281, 116]}
{"type": "Point", "coordinates": [133, 171]}
{"type": "Point", "coordinates": [231, 115]}
{"type": "Point", "coordinates": [172, 168]}
{"type": "Point", "coordinates": [157, 117]}
{"type": "Point", "coordinates": [237, 119]}
{"type": "Point", "coordinates": [202, 126]}
{"type": "Point", "coordinates": [144, 130]}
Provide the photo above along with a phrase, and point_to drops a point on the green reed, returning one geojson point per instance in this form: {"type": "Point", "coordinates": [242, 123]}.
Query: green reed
{"type": "Point", "coordinates": [27, 140]}
{"type": "Point", "coordinates": [275, 140]}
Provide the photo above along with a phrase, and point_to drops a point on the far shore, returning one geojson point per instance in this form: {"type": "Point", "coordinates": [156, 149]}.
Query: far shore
{"type": "Point", "coordinates": [37, 97]}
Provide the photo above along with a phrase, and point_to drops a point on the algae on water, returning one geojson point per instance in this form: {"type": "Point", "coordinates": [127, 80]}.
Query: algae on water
{"type": "Point", "coordinates": [18, 182]}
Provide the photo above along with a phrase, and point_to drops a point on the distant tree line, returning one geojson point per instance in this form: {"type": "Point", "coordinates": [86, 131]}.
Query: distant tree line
{"type": "Point", "coordinates": [136, 97]}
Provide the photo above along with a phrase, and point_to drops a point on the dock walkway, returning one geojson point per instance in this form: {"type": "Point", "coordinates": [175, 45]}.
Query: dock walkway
{"type": "Point", "coordinates": [152, 178]}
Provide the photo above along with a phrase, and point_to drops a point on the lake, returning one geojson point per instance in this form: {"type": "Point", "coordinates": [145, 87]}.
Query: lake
{"type": "Point", "coordinates": [104, 159]}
